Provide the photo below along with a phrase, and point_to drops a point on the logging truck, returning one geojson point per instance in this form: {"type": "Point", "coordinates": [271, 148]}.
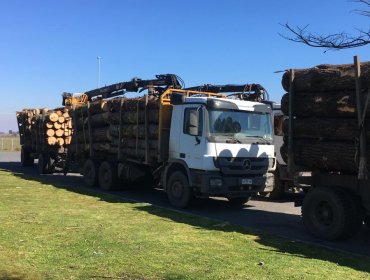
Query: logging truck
{"type": "Point", "coordinates": [190, 143]}
{"type": "Point", "coordinates": [327, 133]}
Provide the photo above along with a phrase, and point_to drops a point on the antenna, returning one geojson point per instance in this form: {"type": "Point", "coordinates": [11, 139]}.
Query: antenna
{"type": "Point", "coordinates": [99, 58]}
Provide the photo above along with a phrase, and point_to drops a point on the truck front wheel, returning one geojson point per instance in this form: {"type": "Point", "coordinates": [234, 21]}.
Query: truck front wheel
{"type": "Point", "coordinates": [178, 190]}
{"type": "Point", "coordinates": [90, 173]}
{"type": "Point", "coordinates": [330, 213]}
{"type": "Point", "coordinates": [108, 176]}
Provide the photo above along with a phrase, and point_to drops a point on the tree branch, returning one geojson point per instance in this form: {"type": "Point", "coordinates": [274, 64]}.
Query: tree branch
{"type": "Point", "coordinates": [334, 41]}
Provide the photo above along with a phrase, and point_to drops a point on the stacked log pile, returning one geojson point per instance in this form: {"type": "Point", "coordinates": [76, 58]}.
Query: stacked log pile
{"type": "Point", "coordinates": [325, 126]}
{"type": "Point", "coordinates": [118, 126]}
{"type": "Point", "coordinates": [43, 128]}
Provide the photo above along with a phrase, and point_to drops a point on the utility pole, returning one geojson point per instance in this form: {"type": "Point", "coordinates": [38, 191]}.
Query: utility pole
{"type": "Point", "coordinates": [99, 58]}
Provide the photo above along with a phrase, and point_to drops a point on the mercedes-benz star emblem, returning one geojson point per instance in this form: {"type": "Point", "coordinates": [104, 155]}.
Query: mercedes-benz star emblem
{"type": "Point", "coordinates": [247, 164]}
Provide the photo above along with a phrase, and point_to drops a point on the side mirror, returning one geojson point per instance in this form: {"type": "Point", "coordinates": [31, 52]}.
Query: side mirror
{"type": "Point", "coordinates": [279, 125]}
{"type": "Point", "coordinates": [192, 126]}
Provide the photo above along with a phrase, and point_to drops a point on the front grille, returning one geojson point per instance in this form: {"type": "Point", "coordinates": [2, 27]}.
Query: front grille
{"type": "Point", "coordinates": [243, 165]}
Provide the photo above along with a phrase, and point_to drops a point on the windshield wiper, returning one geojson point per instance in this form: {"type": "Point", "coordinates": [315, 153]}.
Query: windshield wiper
{"type": "Point", "coordinates": [265, 141]}
{"type": "Point", "coordinates": [233, 140]}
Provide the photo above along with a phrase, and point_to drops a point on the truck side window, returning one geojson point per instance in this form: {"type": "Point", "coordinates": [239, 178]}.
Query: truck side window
{"type": "Point", "coordinates": [190, 118]}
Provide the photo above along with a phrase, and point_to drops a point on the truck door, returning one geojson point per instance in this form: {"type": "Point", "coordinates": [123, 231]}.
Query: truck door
{"type": "Point", "coordinates": [192, 142]}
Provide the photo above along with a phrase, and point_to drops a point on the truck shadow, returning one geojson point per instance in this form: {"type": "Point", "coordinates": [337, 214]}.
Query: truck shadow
{"type": "Point", "coordinates": [223, 217]}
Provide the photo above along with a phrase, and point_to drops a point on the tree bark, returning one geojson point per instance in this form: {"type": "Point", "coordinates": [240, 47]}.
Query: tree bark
{"type": "Point", "coordinates": [327, 77]}
{"type": "Point", "coordinates": [130, 131]}
{"type": "Point", "coordinates": [340, 104]}
{"type": "Point", "coordinates": [337, 129]}
{"type": "Point", "coordinates": [325, 156]}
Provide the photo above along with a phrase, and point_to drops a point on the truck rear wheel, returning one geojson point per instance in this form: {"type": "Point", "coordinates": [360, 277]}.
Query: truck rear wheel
{"type": "Point", "coordinates": [90, 173]}
{"type": "Point", "coordinates": [367, 222]}
{"type": "Point", "coordinates": [108, 176]}
{"type": "Point", "coordinates": [178, 190]}
{"type": "Point", "coordinates": [45, 164]}
{"type": "Point", "coordinates": [26, 159]}
{"type": "Point", "coordinates": [330, 213]}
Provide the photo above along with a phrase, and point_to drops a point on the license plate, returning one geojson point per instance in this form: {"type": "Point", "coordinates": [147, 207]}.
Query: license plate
{"type": "Point", "coordinates": [246, 181]}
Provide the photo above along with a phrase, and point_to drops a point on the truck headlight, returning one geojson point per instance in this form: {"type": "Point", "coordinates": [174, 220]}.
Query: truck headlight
{"type": "Point", "coordinates": [215, 182]}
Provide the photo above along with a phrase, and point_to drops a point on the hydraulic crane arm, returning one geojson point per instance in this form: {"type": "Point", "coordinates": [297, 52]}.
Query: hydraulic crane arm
{"type": "Point", "coordinates": [168, 80]}
{"type": "Point", "coordinates": [158, 85]}
{"type": "Point", "coordinates": [250, 92]}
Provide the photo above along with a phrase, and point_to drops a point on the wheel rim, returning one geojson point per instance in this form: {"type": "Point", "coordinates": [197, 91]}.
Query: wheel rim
{"type": "Point", "coordinates": [106, 176]}
{"type": "Point", "coordinates": [89, 171]}
{"type": "Point", "coordinates": [324, 213]}
{"type": "Point", "coordinates": [177, 190]}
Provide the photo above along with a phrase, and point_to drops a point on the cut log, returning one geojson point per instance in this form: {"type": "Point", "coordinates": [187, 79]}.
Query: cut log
{"type": "Point", "coordinates": [130, 117]}
{"type": "Point", "coordinates": [99, 106]}
{"type": "Point", "coordinates": [341, 104]}
{"type": "Point", "coordinates": [326, 156]}
{"type": "Point", "coordinates": [338, 129]}
{"type": "Point", "coordinates": [49, 125]}
{"type": "Point", "coordinates": [327, 77]}
{"type": "Point", "coordinates": [57, 125]}
{"type": "Point", "coordinates": [115, 104]}
{"type": "Point", "coordinates": [52, 140]}
{"type": "Point", "coordinates": [68, 140]}
{"type": "Point", "coordinates": [60, 141]}
{"type": "Point", "coordinates": [130, 131]}
{"type": "Point", "coordinates": [53, 117]}
{"type": "Point", "coordinates": [59, 133]}
{"type": "Point", "coordinates": [50, 132]}
{"type": "Point", "coordinates": [61, 119]}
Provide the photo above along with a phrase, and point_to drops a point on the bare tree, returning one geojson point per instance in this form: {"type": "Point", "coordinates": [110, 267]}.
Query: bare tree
{"type": "Point", "coordinates": [335, 41]}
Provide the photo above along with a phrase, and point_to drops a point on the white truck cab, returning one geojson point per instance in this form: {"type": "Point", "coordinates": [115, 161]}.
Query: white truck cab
{"type": "Point", "coordinates": [225, 147]}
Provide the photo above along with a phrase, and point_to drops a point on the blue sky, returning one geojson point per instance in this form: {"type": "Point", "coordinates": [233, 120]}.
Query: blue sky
{"type": "Point", "coordinates": [47, 47]}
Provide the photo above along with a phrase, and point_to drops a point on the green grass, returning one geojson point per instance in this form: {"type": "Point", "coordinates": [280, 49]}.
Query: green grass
{"type": "Point", "coordinates": [55, 232]}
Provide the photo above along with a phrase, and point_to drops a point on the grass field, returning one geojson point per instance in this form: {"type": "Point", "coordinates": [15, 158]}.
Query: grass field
{"type": "Point", "coordinates": [57, 232]}
{"type": "Point", "coordinates": [9, 143]}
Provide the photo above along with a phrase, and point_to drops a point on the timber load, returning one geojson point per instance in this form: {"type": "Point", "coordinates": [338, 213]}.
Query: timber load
{"type": "Point", "coordinates": [127, 127]}
{"type": "Point", "coordinates": [41, 129]}
{"type": "Point", "coordinates": [325, 127]}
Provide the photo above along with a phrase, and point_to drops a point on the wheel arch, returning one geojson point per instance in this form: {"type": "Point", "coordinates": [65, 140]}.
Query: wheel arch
{"type": "Point", "coordinates": [177, 165]}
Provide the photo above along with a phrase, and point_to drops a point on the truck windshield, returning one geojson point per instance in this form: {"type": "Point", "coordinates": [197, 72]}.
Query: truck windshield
{"type": "Point", "coordinates": [240, 126]}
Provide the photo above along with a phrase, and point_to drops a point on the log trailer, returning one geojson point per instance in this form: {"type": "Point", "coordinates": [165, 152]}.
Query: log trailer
{"type": "Point", "coordinates": [44, 135]}
{"type": "Point", "coordinates": [190, 143]}
{"type": "Point", "coordinates": [327, 133]}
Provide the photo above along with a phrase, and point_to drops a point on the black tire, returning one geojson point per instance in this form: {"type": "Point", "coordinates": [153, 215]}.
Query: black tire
{"type": "Point", "coordinates": [328, 213]}
{"type": "Point", "coordinates": [178, 190]}
{"type": "Point", "coordinates": [90, 173]}
{"type": "Point", "coordinates": [354, 213]}
{"type": "Point", "coordinates": [367, 221]}
{"type": "Point", "coordinates": [26, 159]}
{"type": "Point", "coordinates": [108, 179]}
{"type": "Point", "coordinates": [45, 164]}
{"type": "Point", "coordinates": [238, 201]}
{"type": "Point", "coordinates": [278, 190]}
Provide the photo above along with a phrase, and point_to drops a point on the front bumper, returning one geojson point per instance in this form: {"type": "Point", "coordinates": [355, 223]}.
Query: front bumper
{"type": "Point", "coordinates": [208, 184]}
